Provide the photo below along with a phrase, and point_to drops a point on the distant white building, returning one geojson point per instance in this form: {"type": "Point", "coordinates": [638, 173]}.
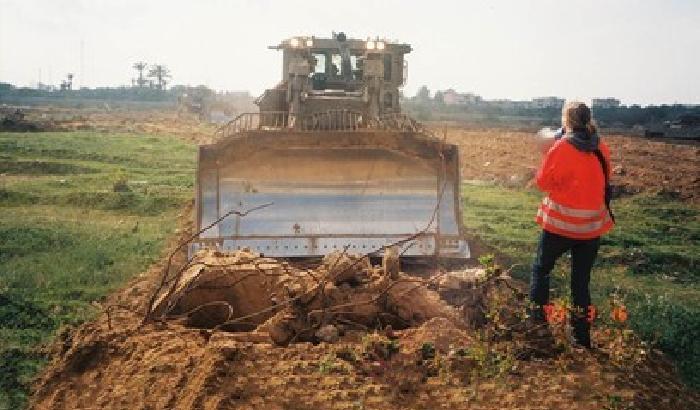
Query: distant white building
{"type": "Point", "coordinates": [452, 97]}
{"type": "Point", "coordinates": [547, 102]}
{"type": "Point", "coordinates": [605, 103]}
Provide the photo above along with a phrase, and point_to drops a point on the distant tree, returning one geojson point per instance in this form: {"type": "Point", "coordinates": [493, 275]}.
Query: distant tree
{"type": "Point", "coordinates": [140, 66]}
{"type": "Point", "coordinates": [439, 97]}
{"type": "Point", "coordinates": [423, 94]}
{"type": "Point", "coordinates": [161, 74]}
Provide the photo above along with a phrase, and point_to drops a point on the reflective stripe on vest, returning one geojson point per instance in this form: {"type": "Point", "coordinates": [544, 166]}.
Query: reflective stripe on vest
{"type": "Point", "coordinates": [574, 228]}
{"type": "Point", "coordinates": [576, 221]}
{"type": "Point", "coordinates": [565, 210]}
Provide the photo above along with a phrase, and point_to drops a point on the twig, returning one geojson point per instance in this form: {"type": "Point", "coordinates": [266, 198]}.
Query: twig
{"type": "Point", "coordinates": [198, 308]}
{"type": "Point", "coordinates": [258, 313]}
{"type": "Point", "coordinates": [149, 308]}
{"type": "Point", "coordinates": [109, 317]}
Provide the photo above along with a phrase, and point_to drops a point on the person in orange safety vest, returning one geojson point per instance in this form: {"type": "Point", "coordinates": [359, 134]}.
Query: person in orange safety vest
{"type": "Point", "coordinates": [574, 174]}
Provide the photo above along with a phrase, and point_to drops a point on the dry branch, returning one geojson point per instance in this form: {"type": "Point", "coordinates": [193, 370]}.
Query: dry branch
{"type": "Point", "coordinates": [164, 278]}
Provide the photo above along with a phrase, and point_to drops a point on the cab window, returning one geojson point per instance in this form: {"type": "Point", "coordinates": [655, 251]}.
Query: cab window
{"type": "Point", "coordinates": [336, 65]}
{"type": "Point", "coordinates": [320, 63]}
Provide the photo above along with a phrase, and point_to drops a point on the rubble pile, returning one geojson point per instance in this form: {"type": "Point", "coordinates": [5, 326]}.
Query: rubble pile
{"type": "Point", "coordinates": [244, 292]}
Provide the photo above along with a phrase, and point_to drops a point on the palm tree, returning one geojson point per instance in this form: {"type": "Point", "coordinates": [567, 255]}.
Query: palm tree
{"type": "Point", "coordinates": [160, 73]}
{"type": "Point", "coordinates": [140, 66]}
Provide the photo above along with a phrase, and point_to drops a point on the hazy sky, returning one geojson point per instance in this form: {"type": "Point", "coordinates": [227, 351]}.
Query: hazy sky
{"type": "Point", "coordinates": [641, 51]}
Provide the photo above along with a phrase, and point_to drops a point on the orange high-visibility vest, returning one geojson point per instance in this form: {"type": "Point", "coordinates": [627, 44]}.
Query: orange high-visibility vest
{"type": "Point", "coordinates": [575, 185]}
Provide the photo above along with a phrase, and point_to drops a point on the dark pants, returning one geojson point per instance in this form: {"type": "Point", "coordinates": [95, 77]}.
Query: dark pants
{"type": "Point", "coordinates": [583, 253]}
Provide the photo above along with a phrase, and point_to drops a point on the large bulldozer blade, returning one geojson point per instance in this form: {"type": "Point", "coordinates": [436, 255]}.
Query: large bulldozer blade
{"type": "Point", "coordinates": [330, 191]}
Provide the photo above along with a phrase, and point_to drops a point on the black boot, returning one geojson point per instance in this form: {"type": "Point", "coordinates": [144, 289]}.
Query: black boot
{"type": "Point", "coordinates": [581, 332]}
{"type": "Point", "coordinates": [535, 314]}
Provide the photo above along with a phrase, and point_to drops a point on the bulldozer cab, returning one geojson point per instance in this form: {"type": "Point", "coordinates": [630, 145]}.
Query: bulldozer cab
{"type": "Point", "coordinates": [336, 163]}
{"type": "Point", "coordinates": [322, 74]}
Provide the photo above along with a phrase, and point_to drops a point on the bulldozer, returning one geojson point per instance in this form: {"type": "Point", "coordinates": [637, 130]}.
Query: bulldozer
{"type": "Point", "coordinates": [330, 163]}
{"type": "Point", "coordinates": [195, 102]}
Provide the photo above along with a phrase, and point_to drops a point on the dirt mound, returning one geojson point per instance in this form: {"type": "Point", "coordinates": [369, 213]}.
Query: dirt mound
{"type": "Point", "coordinates": [360, 340]}
{"type": "Point", "coordinates": [242, 291]}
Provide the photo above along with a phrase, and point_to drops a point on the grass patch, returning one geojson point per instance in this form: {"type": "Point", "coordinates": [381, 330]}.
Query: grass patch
{"type": "Point", "coordinates": [68, 239]}
{"type": "Point", "coordinates": [650, 260]}
{"type": "Point", "coordinates": [41, 168]}
{"type": "Point", "coordinates": [21, 240]}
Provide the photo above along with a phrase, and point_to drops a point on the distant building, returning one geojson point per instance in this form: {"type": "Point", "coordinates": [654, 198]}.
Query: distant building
{"type": "Point", "coordinates": [452, 97]}
{"type": "Point", "coordinates": [547, 102]}
{"type": "Point", "coordinates": [45, 87]}
{"type": "Point", "coordinates": [505, 104]}
{"type": "Point", "coordinates": [605, 103]}
{"type": "Point", "coordinates": [471, 98]}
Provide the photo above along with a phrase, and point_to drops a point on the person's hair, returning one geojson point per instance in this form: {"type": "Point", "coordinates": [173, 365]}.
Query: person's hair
{"type": "Point", "coordinates": [576, 116]}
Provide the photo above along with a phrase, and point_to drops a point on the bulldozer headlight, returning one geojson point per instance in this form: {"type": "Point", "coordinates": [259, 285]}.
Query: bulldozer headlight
{"type": "Point", "coordinates": [309, 43]}
{"type": "Point", "coordinates": [380, 45]}
{"type": "Point", "coordinates": [370, 45]}
{"type": "Point", "coordinates": [294, 42]}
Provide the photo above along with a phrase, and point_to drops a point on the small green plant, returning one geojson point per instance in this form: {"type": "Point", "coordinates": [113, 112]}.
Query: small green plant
{"type": "Point", "coordinates": [393, 346]}
{"type": "Point", "coordinates": [487, 260]}
{"type": "Point", "coordinates": [378, 347]}
{"type": "Point", "coordinates": [615, 402]}
{"type": "Point", "coordinates": [427, 351]}
{"type": "Point", "coordinates": [327, 364]}
{"type": "Point", "coordinates": [490, 360]}
{"type": "Point", "coordinates": [121, 184]}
